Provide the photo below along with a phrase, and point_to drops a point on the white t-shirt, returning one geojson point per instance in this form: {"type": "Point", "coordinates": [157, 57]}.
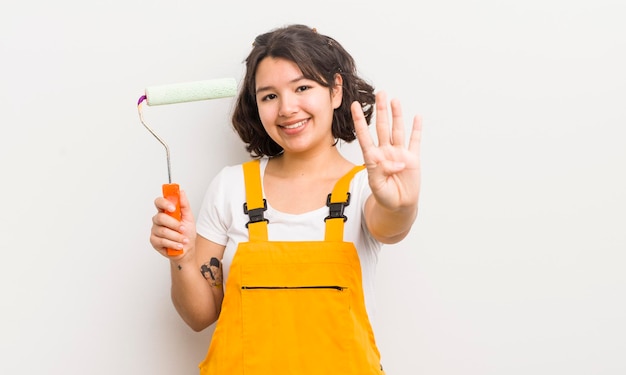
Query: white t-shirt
{"type": "Point", "coordinates": [221, 219]}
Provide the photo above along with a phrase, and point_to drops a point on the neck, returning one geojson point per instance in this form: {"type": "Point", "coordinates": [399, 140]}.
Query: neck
{"type": "Point", "coordinates": [308, 165]}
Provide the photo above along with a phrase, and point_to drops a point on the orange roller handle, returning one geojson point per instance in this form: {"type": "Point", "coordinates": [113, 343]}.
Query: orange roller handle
{"type": "Point", "coordinates": [171, 192]}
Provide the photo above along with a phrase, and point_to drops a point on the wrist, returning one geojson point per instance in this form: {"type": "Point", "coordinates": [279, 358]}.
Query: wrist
{"type": "Point", "coordinates": [185, 260]}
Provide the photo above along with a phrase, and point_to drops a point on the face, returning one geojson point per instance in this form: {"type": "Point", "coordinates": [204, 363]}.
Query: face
{"type": "Point", "coordinates": [296, 112]}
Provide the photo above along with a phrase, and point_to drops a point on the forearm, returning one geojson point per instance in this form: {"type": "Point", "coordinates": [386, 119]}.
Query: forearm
{"type": "Point", "coordinates": [192, 295]}
{"type": "Point", "coordinates": [389, 226]}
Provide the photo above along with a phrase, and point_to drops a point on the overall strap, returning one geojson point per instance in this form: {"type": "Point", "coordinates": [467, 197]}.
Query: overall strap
{"type": "Point", "coordinates": [336, 202]}
{"type": "Point", "coordinates": [255, 204]}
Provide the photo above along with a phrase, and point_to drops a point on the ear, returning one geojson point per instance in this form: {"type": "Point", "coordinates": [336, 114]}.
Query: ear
{"type": "Point", "coordinates": [337, 91]}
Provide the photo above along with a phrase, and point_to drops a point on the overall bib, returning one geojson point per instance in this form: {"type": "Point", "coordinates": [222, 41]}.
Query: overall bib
{"type": "Point", "coordinates": [293, 307]}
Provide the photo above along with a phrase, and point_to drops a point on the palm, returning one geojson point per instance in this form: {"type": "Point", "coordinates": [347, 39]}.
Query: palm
{"type": "Point", "coordinates": [393, 169]}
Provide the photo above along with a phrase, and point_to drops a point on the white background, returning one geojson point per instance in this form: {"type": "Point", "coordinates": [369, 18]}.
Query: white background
{"type": "Point", "coordinates": [516, 262]}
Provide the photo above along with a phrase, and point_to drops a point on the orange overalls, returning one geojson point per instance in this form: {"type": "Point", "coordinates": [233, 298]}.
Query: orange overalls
{"type": "Point", "coordinates": [293, 308]}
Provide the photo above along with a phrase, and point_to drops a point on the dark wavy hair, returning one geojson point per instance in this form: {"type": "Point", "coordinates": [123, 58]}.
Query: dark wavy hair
{"type": "Point", "coordinates": [320, 58]}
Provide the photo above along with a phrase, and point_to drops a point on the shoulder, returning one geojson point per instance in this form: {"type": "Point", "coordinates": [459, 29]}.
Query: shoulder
{"type": "Point", "coordinates": [361, 176]}
{"type": "Point", "coordinates": [228, 177]}
{"type": "Point", "coordinates": [229, 173]}
{"type": "Point", "coordinates": [225, 187]}
{"type": "Point", "coordinates": [222, 199]}
{"type": "Point", "coordinates": [359, 186]}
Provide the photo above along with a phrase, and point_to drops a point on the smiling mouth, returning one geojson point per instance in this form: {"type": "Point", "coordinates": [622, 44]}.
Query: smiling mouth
{"type": "Point", "coordinates": [294, 126]}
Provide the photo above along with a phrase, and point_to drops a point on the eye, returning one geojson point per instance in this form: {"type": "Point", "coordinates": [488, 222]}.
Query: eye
{"type": "Point", "coordinates": [302, 88]}
{"type": "Point", "coordinates": [268, 97]}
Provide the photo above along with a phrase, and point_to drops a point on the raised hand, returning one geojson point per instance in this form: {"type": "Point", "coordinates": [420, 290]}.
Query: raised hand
{"type": "Point", "coordinates": [393, 169]}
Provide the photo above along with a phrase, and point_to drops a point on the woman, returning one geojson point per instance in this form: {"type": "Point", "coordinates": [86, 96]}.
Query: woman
{"type": "Point", "coordinates": [285, 246]}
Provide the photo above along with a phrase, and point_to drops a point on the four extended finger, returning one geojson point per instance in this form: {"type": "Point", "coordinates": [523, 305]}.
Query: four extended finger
{"type": "Point", "coordinates": [361, 129]}
{"type": "Point", "coordinates": [397, 130]}
{"type": "Point", "coordinates": [416, 135]}
{"type": "Point", "coordinates": [382, 119]}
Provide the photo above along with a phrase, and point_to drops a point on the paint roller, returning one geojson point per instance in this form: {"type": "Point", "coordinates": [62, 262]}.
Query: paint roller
{"type": "Point", "coordinates": [182, 93]}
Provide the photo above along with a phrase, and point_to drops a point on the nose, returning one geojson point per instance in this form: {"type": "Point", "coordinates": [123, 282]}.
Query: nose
{"type": "Point", "coordinates": [288, 105]}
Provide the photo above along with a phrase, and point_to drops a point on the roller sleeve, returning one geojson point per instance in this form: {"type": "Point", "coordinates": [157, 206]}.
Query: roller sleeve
{"type": "Point", "coordinates": [191, 91]}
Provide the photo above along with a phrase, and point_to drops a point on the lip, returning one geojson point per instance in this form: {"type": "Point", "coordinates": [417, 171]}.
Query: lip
{"type": "Point", "coordinates": [294, 127]}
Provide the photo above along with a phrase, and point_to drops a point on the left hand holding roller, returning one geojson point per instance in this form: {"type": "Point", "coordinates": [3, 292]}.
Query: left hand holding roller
{"type": "Point", "coordinates": [181, 93]}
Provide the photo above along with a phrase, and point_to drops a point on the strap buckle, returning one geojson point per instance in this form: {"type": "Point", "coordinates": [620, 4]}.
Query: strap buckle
{"type": "Point", "coordinates": [336, 208]}
{"type": "Point", "coordinates": [256, 214]}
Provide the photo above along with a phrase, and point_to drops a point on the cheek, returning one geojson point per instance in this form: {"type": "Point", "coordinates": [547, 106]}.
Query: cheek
{"type": "Point", "coordinates": [266, 119]}
{"type": "Point", "coordinates": [266, 112]}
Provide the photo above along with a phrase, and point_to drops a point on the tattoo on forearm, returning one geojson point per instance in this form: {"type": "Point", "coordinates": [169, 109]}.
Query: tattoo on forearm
{"type": "Point", "coordinates": [212, 271]}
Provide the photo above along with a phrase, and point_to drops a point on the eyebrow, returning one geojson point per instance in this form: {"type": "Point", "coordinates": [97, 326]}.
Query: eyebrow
{"type": "Point", "coordinates": [267, 88]}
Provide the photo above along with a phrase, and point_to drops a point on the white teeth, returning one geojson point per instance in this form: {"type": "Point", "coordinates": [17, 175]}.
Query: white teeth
{"type": "Point", "coordinates": [296, 125]}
